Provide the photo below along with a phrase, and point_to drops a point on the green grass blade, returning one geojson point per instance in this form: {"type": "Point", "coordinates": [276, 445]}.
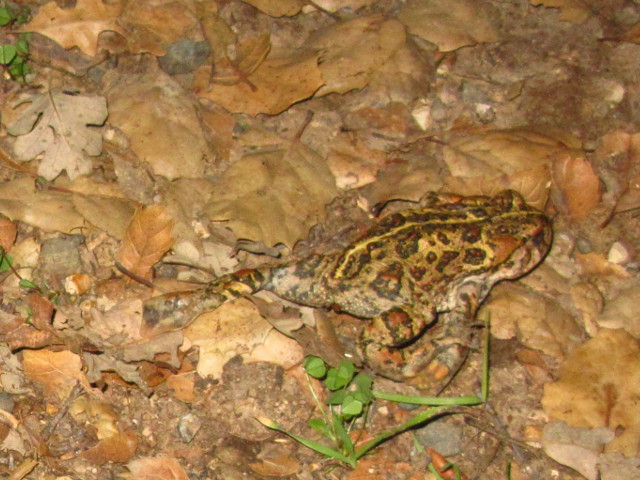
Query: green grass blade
{"type": "Point", "coordinates": [318, 447]}
{"type": "Point", "coordinates": [416, 420]}
{"type": "Point", "coordinates": [431, 401]}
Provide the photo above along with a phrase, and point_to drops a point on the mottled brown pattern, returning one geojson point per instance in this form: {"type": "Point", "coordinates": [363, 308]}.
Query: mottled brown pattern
{"type": "Point", "coordinates": [411, 266]}
{"type": "Point", "coordinates": [474, 256]}
{"type": "Point", "coordinates": [446, 258]}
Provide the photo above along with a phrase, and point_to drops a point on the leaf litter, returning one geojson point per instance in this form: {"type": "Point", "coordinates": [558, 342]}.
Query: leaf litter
{"type": "Point", "coordinates": [406, 98]}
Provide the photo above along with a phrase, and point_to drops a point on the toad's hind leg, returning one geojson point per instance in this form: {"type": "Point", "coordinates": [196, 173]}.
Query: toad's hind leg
{"type": "Point", "coordinates": [428, 363]}
{"type": "Point", "coordinates": [382, 340]}
{"type": "Point", "coordinates": [174, 311]}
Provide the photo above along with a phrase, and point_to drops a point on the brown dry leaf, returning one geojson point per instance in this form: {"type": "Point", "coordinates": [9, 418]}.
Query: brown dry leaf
{"type": "Point", "coordinates": [532, 183]}
{"type": "Point", "coordinates": [8, 232]}
{"type": "Point", "coordinates": [165, 131]}
{"type": "Point", "coordinates": [451, 24]}
{"type": "Point", "coordinates": [280, 466]}
{"type": "Point", "coordinates": [539, 323]}
{"type": "Point", "coordinates": [59, 128]}
{"type": "Point", "coordinates": [622, 311]}
{"type": "Point", "coordinates": [91, 199]}
{"type": "Point", "coordinates": [599, 386]}
{"type": "Point", "coordinates": [378, 466]}
{"type": "Point", "coordinates": [153, 23]}
{"type": "Point", "coordinates": [274, 196]}
{"type": "Point", "coordinates": [620, 152]}
{"type": "Point", "coordinates": [632, 35]}
{"type": "Point", "coordinates": [335, 5]}
{"type": "Point", "coordinates": [221, 126]}
{"type": "Point", "coordinates": [25, 336]}
{"type": "Point", "coordinates": [278, 8]}
{"type": "Point", "coordinates": [251, 52]}
{"type": "Point", "coordinates": [234, 328]}
{"type": "Point", "coordinates": [587, 302]}
{"type": "Point", "coordinates": [183, 383]}
{"type": "Point", "coordinates": [408, 181]}
{"type": "Point", "coordinates": [121, 324]}
{"type": "Point", "coordinates": [597, 264]}
{"type": "Point", "coordinates": [578, 185]}
{"type": "Point", "coordinates": [57, 372]}
{"type": "Point", "coordinates": [185, 198]}
{"type": "Point", "coordinates": [574, 11]}
{"type": "Point", "coordinates": [279, 82]}
{"type": "Point", "coordinates": [277, 348]}
{"type": "Point", "coordinates": [237, 328]}
{"type": "Point", "coordinates": [352, 162]}
{"type": "Point", "coordinates": [100, 415]}
{"type": "Point", "coordinates": [578, 448]}
{"type": "Point", "coordinates": [79, 26]}
{"type": "Point", "coordinates": [147, 239]}
{"type": "Point", "coordinates": [496, 152]}
{"type": "Point", "coordinates": [353, 50]}
{"type": "Point", "coordinates": [157, 468]}
{"type": "Point", "coordinates": [92, 208]}
{"type": "Point", "coordinates": [117, 448]}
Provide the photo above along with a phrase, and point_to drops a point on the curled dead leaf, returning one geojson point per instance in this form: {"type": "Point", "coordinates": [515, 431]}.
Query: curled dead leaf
{"type": "Point", "coordinates": [147, 239]}
{"type": "Point", "coordinates": [117, 448]}
{"type": "Point", "coordinates": [8, 231]}
{"type": "Point", "coordinates": [578, 185]}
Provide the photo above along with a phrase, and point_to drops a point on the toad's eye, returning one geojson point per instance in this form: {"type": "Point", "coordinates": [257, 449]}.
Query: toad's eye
{"type": "Point", "coordinates": [503, 230]}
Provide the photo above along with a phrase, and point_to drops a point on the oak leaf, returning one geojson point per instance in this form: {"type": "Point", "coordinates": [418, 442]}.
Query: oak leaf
{"type": "Point", "coordinates": [57, 126]}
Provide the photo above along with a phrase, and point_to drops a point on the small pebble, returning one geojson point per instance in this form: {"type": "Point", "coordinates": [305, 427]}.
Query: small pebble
{"type": "Point", "coordinates": [188, 427]}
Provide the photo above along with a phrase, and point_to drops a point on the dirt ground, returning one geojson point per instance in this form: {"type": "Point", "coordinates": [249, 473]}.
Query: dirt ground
{"type": "Point", "coordinates": [149, 147]}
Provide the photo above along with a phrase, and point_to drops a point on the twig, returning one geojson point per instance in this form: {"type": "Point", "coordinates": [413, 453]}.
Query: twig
{"type": "Point", "coordinates": [24, 469]}
{"type": "Point", "coordinates": [132, 275]}
{"type": "Point", "coordinates": [48, 430]}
